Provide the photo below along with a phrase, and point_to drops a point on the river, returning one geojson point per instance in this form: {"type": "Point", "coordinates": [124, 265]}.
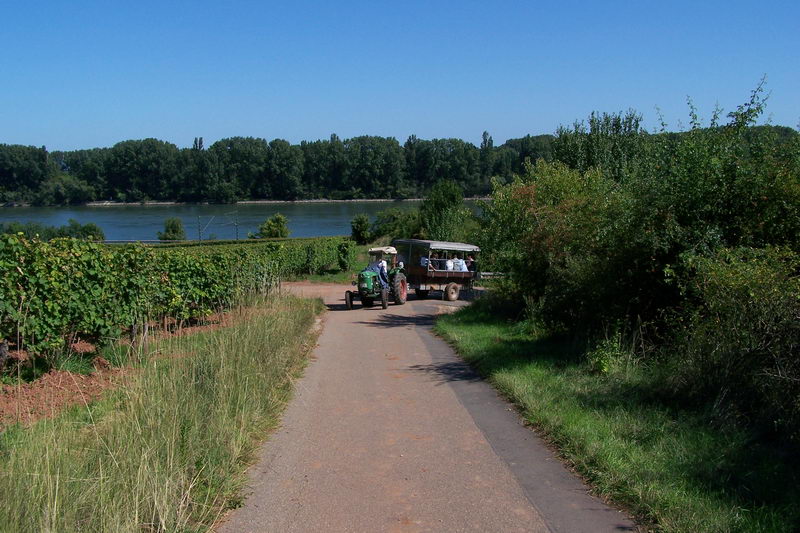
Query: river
{"type": "Point", "coordinates": [139, 222]}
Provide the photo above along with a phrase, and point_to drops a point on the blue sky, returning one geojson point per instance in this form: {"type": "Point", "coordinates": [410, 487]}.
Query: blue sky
{"type": "Point", "coordinates": [86, 74]}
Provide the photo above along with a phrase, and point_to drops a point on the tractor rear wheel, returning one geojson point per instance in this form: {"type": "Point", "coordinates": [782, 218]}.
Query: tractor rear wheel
{"type": "Point", "coordinates": [400, 289]}
{"type": "Point", "coordinates": [385, 298]}
{"type": "Point", "coordinates": [421, 293]}
{"type": "Point", "coordinates": [348, 300]}
{"type": "Point", "coordinates": [451, 291]}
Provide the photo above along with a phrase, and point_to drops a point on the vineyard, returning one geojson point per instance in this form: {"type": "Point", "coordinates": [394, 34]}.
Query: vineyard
{"type": "Point", "coordinates": [53, 293]}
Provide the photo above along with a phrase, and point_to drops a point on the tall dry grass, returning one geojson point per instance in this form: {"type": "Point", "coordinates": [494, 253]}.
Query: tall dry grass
{"type": "Point", "coordinates": [166, 451]}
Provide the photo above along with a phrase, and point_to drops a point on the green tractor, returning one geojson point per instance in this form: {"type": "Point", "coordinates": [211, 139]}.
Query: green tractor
{"type": "Point", "coordinates": [370, 288]}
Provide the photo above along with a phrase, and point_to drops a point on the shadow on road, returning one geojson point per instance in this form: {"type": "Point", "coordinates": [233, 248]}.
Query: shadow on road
{"type": "Point", "coordinates": [447, 371]}
{"type": "Point", "coordinates": [398, 321]}
{"type": "Point", "coordinates": [356, 307]}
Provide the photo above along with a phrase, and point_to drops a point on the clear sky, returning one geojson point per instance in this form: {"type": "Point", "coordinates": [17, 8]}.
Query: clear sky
{"type": "Point", "coordinates": [88, 73]}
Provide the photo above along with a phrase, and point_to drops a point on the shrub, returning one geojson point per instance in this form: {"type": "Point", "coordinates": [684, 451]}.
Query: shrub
{"type": "Point", "coordinates": [397, 223]}
{"type": "Point", "coordinates": [173, 230]}
{"type": "Point", "coordinates": [359, 228]}
{"type": "Point", "coordinates": [737, 343]}
{"type": "Point", "coordinates": [275, 227]}
{"type": "Point", "coordinates": [689, 239]}
{"type": "Point", "coordinates": [31, 230]}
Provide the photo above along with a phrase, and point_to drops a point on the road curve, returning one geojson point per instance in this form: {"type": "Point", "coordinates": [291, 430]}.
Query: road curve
{"type": "Point", "coordinates": [390, 431]}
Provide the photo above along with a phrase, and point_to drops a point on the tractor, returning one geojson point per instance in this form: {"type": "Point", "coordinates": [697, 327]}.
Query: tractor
{"type": "Point", "coordinates": [369, 286]}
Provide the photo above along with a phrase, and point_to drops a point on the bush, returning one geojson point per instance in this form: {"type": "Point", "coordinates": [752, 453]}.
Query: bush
{"type": "Point", "coordinates": [738, 341]}
{"type": "Point", "coordinates": [359, 229]}
{"type": "Point", "coordinates": [689, 239]}
{"type": "Point", "coordinates": [397, 223]}
{"type": "Point", "coordinates": [173, 230]}
{"type": "Point", "coordinates": [34, 230]}
{"type": "Point", "coordinates": [275, 227]}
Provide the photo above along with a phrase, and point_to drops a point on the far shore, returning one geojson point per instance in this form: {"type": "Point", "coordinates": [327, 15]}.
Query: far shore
{"type": "Point", "coordinates": [242, 202]}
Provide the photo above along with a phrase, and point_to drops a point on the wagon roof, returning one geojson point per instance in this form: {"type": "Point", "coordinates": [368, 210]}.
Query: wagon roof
{"type": "Point", "coordinates": [389, 250]}
{"type": "Point", "coordinates": [439, 245]}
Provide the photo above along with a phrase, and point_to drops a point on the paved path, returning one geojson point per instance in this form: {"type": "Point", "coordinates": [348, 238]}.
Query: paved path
{"type": "Point", "coordinates": [390, 431]}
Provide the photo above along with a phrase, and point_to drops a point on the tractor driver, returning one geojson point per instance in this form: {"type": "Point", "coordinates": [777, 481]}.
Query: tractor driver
{"type": "Point", "coordinates": [379, 266]}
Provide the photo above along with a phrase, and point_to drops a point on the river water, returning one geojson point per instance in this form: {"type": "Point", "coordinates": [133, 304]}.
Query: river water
{"type": "Point", "coordinates": [138, 222]}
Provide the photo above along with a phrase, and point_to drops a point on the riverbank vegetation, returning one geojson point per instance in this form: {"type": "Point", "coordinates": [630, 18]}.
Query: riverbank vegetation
{"type": "Point", "coordinates": [650, 317]}
{"type": "Point", "coordinates": [173, 230]}
{"type": "Point", "coordinates": [166, 451]}
{"type": "Point", "coordinates": [34, 230]}
{"type": "Point", "coordinates": [242, 168]}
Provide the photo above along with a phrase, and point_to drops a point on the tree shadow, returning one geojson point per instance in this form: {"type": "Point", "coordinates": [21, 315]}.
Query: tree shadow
{"type": "Point", "coordinates": [447, 372]}
{"type": "Point", "coordinates": [391, 320]}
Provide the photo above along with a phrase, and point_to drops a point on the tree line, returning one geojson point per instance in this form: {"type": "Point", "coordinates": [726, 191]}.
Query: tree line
{"type": "Point", "coordinates": [242, 168]}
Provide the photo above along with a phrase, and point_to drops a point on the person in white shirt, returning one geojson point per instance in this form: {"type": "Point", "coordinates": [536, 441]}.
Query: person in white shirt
{"type": "Point", "coordinates": [462, 265]}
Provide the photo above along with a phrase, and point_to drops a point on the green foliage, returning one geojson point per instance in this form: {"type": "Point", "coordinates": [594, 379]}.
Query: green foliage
{"type": "Point", "coordinates": [238, 168]}
{"type": "Point", "coordinates": [396, 222]}
{"type": "Point", "coordinates": [173, 230]}
{"type": "Point", "coordinates": [442, 213]}
{"type": "Point", "coordinates": [676, 467]}
{"type": "Point", "coordinates": [53, 291]}
{"type": "Point", "coordinates": [75, 229]}
{"type": "Point", "coordinates": [359, 229]}
{"type": "Point", "coordinates": [275, 227]}
{"type": "Point", "coordinates": [63, 189]}
{"type": "Point", "coordinates": [738, 338]}
{"type": "Point", "coordinates": [654, 236]}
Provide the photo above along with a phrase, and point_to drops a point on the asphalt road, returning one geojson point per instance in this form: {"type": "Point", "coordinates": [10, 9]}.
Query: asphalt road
{"type": "Point", "coordinates": [390, 431]}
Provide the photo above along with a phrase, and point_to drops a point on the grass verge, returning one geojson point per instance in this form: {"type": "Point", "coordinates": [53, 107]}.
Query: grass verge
{"type": "Point", "coordinates": [168, 450]}
{"type": "Point", "coordinates": [673, 467]}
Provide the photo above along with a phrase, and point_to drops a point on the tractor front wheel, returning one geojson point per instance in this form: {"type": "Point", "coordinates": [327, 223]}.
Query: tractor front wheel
{"type": "Point", "coordinates": [385, 298]}
{"type": "Point", "coordinates": [451, 291]}
{"type": "Point", "coordinates": [348, 300]}
{"type": "Point", "coordinates": [400, 289]}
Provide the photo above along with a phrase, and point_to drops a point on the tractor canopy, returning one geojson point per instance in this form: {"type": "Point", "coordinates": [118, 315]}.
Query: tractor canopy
{"type": "Point", "coordinates": [383, 250]}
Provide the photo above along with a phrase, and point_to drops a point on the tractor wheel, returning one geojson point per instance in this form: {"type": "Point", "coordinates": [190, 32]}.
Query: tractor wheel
{"type": "Point", "coordinates": [385, 298]}
{"type": "Point", "coordinates": [400, 289]}
{"type": "Point", "coordinates": [451, 292]}
{"type": "Point", "coordinates": [348, 300]}
{"type": "Point", "coordinates": [366, 302]}
{"type": "Point", "coordinates": [422, 293]}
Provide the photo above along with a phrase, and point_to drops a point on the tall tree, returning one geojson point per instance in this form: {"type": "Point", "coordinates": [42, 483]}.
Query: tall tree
{"type": "Point", "coordinates": [285, 170]}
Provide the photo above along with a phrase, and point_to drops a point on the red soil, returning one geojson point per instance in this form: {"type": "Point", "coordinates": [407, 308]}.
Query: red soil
{"type": "Point", "coordinates": [27, 402]}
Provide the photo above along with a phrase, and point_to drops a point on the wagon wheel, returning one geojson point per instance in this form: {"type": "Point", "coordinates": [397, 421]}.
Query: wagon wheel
{"type": "Point", "coordinates": [451, 292]}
